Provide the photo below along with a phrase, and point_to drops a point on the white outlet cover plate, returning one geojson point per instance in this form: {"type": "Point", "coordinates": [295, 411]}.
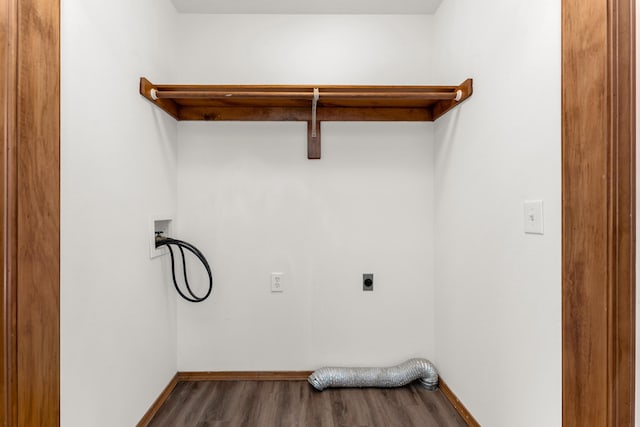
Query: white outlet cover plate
{"type": "Point", "coordinates": [533, 217]}
{"type": "Point", "coordinates": [165, 222]}
{"type": "Point", "coordinates": [277, 282]}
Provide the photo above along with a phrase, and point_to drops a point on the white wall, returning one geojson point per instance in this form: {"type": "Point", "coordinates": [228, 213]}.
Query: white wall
{"type": "Point", "coordinates": [252, 202]}
{"type": "Point", "coordinates": [118, 321]}
{"type": "Point", "coordinates": [305, 49]}
{"type": "Point", "coordinates": [498, 291]}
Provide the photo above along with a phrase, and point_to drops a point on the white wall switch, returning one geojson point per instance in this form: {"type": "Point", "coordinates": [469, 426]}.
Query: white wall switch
{"type": "Point", "coordinates": [533, 218]}
{"type": "Point", "coordinates": [277, 282]}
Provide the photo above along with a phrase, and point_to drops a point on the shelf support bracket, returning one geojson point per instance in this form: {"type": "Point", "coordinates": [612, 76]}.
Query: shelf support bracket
{"type": "Point", "coordinates": [313, 142]}
{"type": "Point", "coordinates": [313, 129]}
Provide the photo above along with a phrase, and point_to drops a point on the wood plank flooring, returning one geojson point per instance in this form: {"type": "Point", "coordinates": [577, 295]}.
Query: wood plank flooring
{"type": "Point", "coordinates": [297, 403]}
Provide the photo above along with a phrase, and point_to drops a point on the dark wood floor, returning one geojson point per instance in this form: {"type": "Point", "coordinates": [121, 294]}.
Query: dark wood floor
{"type": "Point", "coordinates": [297, 403]}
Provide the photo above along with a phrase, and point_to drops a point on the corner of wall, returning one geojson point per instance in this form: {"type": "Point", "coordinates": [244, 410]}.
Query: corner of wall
{"type": "Point", "coordinates": [498, 309]}
{"type": "Point", "coordinates": [119, 154]}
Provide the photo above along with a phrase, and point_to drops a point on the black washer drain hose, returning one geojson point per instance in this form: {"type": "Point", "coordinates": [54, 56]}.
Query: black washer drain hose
{"type": "Point", "coordinates": [166, 241]}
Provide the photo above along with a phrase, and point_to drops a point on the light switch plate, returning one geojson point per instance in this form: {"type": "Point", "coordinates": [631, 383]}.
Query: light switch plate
{"type": "Point", "coordinates": [533, 217]}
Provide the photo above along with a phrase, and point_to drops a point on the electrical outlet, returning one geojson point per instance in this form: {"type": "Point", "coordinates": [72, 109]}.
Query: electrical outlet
{"type": "Point", "coordinates": [367, 282]}
{"type": "Point", "coordinates": [277, 282]}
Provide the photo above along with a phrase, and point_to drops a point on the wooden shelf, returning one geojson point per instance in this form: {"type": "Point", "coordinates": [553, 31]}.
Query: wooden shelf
{"type": "Point", "coordinates": [295, 103]}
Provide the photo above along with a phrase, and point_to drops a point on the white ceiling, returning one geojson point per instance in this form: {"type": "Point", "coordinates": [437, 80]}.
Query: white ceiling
{"type": "Point", "coordinates": [360, 7]}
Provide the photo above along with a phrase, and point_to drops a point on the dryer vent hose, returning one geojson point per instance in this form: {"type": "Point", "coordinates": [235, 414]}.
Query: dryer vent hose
{"type": "Point", "coordinates": [395, 376]}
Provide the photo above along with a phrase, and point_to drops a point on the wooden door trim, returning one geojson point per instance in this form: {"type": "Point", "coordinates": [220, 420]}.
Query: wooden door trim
{"type": "Point", "coordinates": [8, 318]}
{"type": "Point", "coordinates": [30, 202]}
{"type": "Point", "coordinates": [598, 212]}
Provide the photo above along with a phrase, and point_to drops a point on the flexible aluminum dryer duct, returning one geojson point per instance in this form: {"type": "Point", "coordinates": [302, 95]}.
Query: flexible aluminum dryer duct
{"type": "Point", "coordinates": [395, 376]}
